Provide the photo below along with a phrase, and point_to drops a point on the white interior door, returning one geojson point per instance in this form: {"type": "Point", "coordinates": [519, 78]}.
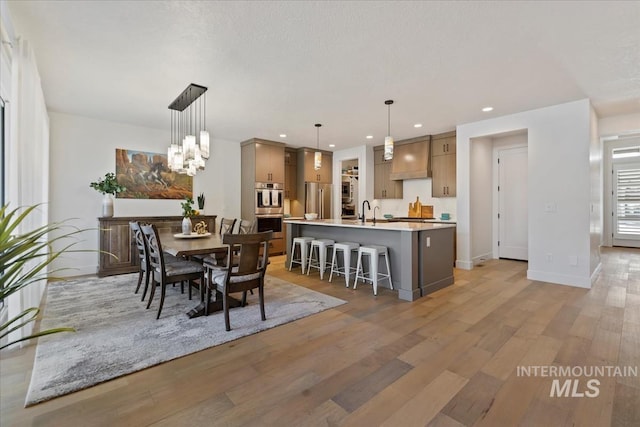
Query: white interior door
{"type": "Point", "coordinates": [626, 204]}
{"type": "Point", "coordinates": [512, 204]}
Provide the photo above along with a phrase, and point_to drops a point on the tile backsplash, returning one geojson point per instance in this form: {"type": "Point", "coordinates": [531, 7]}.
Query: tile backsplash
{"type": "Point", "coordinates": [413, 188]}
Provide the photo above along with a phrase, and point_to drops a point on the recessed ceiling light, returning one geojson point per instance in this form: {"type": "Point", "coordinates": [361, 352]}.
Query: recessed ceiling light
{"type": "Point", "coordinates": [417, 125]}
{"type": "Point", "coordinates": [283, 135]}
{"type": "Point", "coordinates": [487, 109]}
{"type": "Point", "coordinates": [369, 136]}
{"type": "Point", "coordinates": [332, 145]}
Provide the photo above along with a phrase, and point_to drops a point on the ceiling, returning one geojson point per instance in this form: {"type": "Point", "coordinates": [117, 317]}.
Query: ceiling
{"type": "Point", "coordinates": [280, 67]}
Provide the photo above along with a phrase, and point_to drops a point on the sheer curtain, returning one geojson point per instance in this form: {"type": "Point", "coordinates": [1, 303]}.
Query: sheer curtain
{"type": "Point", "coordinates": [27, 159]}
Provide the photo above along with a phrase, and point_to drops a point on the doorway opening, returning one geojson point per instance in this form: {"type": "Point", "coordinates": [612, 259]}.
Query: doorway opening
{"type": "Point", "coordinates": [349, 189]}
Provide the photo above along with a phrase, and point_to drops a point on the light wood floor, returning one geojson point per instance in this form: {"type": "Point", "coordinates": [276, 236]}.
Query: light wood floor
{"type": "Point", "coordinates": [449, 359]}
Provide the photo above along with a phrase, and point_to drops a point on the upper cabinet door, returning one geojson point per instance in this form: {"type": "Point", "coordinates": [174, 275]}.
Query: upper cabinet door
{"type": "Point", "coordinates": [269, 163]}
{"type": "Point", "coordinates": [324, 174]}
{"type": "Point", "coordinates": [443, 146]}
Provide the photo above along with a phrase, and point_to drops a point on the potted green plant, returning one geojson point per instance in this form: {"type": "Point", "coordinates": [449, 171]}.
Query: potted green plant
{"type": "Point", "coordinates": [187, 213]}
{"type": "Point", "coordinates": [25, 257]}
{"type": "Point", "coordinates": [201, 201]}
{"type": "Point", "coordinates": [108, 186]}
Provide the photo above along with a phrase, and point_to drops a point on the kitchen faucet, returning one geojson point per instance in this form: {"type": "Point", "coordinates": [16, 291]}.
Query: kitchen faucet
{"type": "Point", "coordinates": [374, 214]}
{"type": "Point", "coordinates": [368, 206]}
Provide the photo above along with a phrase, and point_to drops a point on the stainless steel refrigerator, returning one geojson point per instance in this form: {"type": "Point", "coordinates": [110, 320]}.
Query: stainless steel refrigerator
{"type": "Point", "coordinates": [318, 199]}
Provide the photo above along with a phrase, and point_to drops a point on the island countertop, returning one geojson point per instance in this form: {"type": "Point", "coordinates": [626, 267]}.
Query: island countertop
{"type": "Point", "coordinates": [390, 226]}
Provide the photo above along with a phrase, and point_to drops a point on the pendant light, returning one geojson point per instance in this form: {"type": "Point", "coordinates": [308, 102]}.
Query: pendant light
{"type": "Point", "coordinates": [388, 140]}
{"type": "Point", "coordinates": [187, 153]}
{"type": "Point", "coordinates": [317, 157]}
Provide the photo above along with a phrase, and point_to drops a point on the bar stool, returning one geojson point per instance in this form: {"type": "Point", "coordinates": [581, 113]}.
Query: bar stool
{"type": "Point", "coordinates": [374, 252]}
{"type": "Point", "coordinates": [303, 243]}
{"type": "Point", "coordinates": [321, 246]}
{"type": "Point", "coordinates": [346, 269]}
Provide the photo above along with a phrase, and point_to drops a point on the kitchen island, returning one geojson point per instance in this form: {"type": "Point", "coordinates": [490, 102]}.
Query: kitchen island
{"type": "Point", "coordinates": [421, 254]}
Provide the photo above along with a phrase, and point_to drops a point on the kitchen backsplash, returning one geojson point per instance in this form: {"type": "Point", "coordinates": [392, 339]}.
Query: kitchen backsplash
{"type": "Point", "coordinates": [420, 188]}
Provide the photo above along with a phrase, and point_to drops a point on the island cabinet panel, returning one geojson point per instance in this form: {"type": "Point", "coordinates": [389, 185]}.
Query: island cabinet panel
{"type": "Point", "coordinates": [421, 254]}
{"type": "Point", "coordinates": [119, 254]}
{"type": "Point", "coordinates": [443, 164]}
{"type": "Point", "coordinates": [383, 186]}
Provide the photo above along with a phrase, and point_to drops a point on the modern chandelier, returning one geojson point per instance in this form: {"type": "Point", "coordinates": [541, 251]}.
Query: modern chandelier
{"type": "Point", "coordinates": [388, 140]}
{"type": "Point", "coordinates": [187, 154]}
{"type": "Point", "coordinates": [317, 156]}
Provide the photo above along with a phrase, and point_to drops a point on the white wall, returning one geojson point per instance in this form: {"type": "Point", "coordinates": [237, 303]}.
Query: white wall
{"type": "Point", "coordinates": [83, 150]}
{"type": "Point", "coordinates": [559, 177]}
{"type": "Point", "coordinates": [597, 192]}
{"type": "Point", "coordinates": [481, 195]}
{"type": "Point", "coordinates": [619, 125]}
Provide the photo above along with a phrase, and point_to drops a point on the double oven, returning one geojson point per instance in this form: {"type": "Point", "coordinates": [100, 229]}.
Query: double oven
{"type": "Point", "coordinates": [269, 198]}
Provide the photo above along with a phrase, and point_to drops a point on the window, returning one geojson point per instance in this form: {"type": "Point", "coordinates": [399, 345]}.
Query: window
{"type": "Point", "coordinates": [627, 201]}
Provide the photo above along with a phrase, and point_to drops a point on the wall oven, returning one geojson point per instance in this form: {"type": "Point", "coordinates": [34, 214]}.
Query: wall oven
{"type": "Point", "coordinates": [270, 223]}
{"type": "Point", "coordinates": [269, 198]}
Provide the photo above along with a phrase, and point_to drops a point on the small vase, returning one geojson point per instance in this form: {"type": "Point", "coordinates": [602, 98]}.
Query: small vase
{"type": "Point", "coordinates": [186, 226]}
{"type": "Point", "coordinates": [107, 206]}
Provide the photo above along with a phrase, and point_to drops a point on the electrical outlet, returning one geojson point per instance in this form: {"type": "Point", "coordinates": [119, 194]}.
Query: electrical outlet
{"type": "Point", "coordinates": [428, 241]}
{"type": "Point", "coordinates": [549, 257]}
{"type": "Point", "coordinates": [573, 260]}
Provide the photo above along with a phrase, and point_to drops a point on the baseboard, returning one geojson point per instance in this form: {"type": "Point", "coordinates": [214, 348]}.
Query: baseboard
{"type": "Point", "coordinates": [482, 258]}
{"type": "Point", "coordinates": [560, 279]}
{"type": "Point", "coordinates": [464, 265]}
{"type": "Point", "coordinates": [595, 273]}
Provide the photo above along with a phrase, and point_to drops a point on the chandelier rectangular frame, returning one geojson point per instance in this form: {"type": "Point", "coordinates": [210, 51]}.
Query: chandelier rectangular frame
{"type": "Point", "coordinates": [187, 154]}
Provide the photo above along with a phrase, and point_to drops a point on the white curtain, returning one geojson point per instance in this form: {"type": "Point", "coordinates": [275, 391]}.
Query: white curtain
{"type": "Point", "coordinates": [27, 159]}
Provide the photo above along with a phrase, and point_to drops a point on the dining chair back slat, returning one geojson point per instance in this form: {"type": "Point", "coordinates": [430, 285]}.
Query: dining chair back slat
{"type": "Point", "coordinates": [227, 225]}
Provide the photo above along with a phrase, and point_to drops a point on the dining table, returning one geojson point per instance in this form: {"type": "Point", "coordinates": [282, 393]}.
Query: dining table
{"type": "Point", "coordinates": [188, 246]}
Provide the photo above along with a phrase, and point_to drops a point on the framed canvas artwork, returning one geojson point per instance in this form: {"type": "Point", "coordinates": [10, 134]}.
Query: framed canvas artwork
{"type": "Point", "coordinates": [147, 176]}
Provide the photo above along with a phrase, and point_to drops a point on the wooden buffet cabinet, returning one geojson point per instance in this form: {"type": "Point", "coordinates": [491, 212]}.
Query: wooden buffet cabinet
{"type": "Point", "coordinates": [116, 238]}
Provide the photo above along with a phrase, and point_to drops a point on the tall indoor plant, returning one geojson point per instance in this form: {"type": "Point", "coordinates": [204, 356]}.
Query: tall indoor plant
{"type": "Point", "coordinates": [25, 258]}
{"type": "Point", "coordinates": [108, 186]}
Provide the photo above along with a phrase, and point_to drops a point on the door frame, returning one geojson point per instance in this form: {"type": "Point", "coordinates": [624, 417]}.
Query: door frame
{"type": "Point", "coordinates": [495, 196]}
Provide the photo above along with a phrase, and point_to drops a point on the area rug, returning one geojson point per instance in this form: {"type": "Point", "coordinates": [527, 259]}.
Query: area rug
{"type": "Point", "coordinates": [115, 334]}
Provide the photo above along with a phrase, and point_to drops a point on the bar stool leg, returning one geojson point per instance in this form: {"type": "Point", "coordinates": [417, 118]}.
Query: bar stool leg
{"type": "Point", "coordinates": [333, 265]}
{"type": "Point", "coordinates": [309, 259]}
{"type": "Point", "coordinates": [303, 255]}
{"type": "Point", "coordinates": [346, 256]}
{"type": "Point", "coordinates": [293, 254]}
{"type": "Point", "coordinates": [323, 260]}
{"type": "Point", "coordinates": [386, 257]}
{"type": "Point", "coordinates": [373, 262]}
{"type": "Point", "coordinates": [359, 265]}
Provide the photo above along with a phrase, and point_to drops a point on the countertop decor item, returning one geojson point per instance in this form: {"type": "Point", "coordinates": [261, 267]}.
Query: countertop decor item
{"type": "Point", "coordinates": [108, 186]}
{"type": "Point", "coordinates": [201, 201]}
{"type": "Point", "coordinates": [187, 213]}
{"type": "Point", "coordinates": [388, 216]}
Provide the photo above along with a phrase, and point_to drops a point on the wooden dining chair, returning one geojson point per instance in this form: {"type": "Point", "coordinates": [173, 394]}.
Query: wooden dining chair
{"type": "Point", "coordinates": [164, 273]}
{"type": "Point", "coordinates": [143, 255]}
{"type": "Point", "coordinates": [246, 226]}
{"type": "Point", "coordinates": [227, 225]}
{"type": "Point", "coordinates": [248, 274]}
